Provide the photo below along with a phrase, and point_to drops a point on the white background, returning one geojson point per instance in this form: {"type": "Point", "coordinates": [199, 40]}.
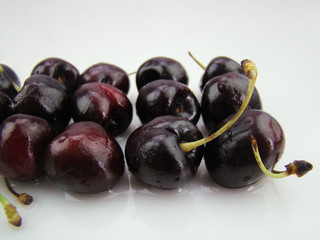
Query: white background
{"type": "Point", "coordinates": [281, 37]}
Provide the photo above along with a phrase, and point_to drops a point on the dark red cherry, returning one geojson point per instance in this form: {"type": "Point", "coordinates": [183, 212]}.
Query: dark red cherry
{"type": "Point", "coordinates": [223, 95]}
{"type": "Point", "coordinates": [229, 158]}
{"type": "Point", "coordinates": [23, 139]}
{"type": "Point", "coordinates": [154, 156]}
{"type": "Point", "coordinates": [219, 66]}
{"type": "Point", "coordinates": [9, 81]}
{"type": "Point", "coordinates": [106, 73]}
{"type": "Point", "coordinates": [5, 106]}
{"type": "Point", "coordinates": [45, 97]}
{"type": "Point", "coordinates": [160, 68]}
{"type": "Point", "coordinates": [84, 158]}
{"type": "Point", "coordinates": [104, 104]}
{"type": "Point", "coordinates": [59, 69]}
{"type": "Point", "coordinates": [162, 97]}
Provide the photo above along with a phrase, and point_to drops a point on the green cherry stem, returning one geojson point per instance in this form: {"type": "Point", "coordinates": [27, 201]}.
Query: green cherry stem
{"type": "Point", "coordinates": [298, 168]}
{"type": "Point", "coordinates": [197, 61]}
{"type": "Point", "coordinates": [250, 70]}
{"type": "Point", "coordinates": [11, 212]}
{"type": "Point", "coordinates": [23, 198]}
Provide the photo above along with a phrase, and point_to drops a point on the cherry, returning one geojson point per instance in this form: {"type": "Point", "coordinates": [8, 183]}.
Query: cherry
{"type": "Point", "coordinates": [84, 159]}
{"type": "Point", "coordinates": [223, 95]}
{"type": "Point", "coordinates": [5, 106]}
{"type": "Point", "coordinates": [59, 69]}
{"type": "Point", "coordinates": [23, 139]}
{"type": "Point", "coordinates": [162, 97]}
{"type": "Point", "coordinates": [106, 73]}
{"type": "Point", "coordinates": [230, 160]}
{"type": "Point", "coordinates": [160, 68]}
{"type": "Point", "coordinates": [45, 97]}
{"type": "Point", "coordinates": [104, 104]}
{"type": "Point", "coordinates": [9, 81]}
{"type": "Point", "coordinates": [154, 156]}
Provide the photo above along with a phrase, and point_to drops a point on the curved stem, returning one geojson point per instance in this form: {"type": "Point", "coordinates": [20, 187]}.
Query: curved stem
{"type": "Point", "coordinates": [196, 60]}
{"type": "Point", "coordinates": [11, 212]}
{"type": "Point", "coordinates": [298, 168]}
{"type": "Point", "coordinates": [23, 198]}
{"type": "Point", "coordinates": [251, 72]}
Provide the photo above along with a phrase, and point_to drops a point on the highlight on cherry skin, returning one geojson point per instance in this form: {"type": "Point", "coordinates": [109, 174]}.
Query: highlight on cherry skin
{"type": "Point", "coordinates": [160, 68]}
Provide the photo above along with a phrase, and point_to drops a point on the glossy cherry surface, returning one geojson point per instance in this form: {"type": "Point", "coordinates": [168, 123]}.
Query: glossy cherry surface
{"type": "Point", "coordinates": [229, 158]}
{"type": "Point", "coordinates": [106, 73]}
{"type": "Point", "coordinates": [162, 97]}
{"type": "Point", "coordinates": [154, 156]}
{"type": "Point", "coordinates": [223, 96]}
{"type": "Point", "coordinates": [160, 68]}
{"type": "Point", "coordinates": [23, 139]}
{"type": "Point", "coordinates": [45, 97]}
{"type": "Point", "coordinates": [60, 69]}
{"type": "Point", "coordinates": [84, 158]}
{"type": "Point", "coordinates": [8, 78]}
{"type": "Point", "coordinates": [104, 104]}
{"type": "Point", "coordinates": [219, 66]}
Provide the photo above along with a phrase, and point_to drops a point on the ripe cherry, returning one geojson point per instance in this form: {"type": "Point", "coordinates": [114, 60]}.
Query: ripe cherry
{"type": "Point", "coordinates": [160, 68]}
{"type": "Point", "coordinates": [5, 106]}
{"type": "Point", "coordinates": [57, 68]}
{"type": "Point", "coordinates": [222, 96]}
{"type": "Point", "coordinates": [106, 73]}
{"type": "Point", "coordinates": [84, 159]}
{"type": "Point", "coordinates": [9, 81]}
{"type": "Point", "coordinates": [45, 97]}
{"type": "Point", "coordinates": [162, 97]}
{"type": "Point", "coordinates": [104, 104]}
{"type": "Point", "coordinates": [23, 139]}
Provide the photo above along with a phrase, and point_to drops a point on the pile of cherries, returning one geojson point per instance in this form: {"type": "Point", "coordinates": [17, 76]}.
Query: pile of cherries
{"type": "Point", "coordinates": [64, 124]}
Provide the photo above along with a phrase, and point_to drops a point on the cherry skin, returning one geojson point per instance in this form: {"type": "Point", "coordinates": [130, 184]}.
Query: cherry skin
{"type": "Point", "coordinates": [223, 96]}
{"type": "Point", "coordinates": [160, 68]}
{"type": "Point", "coordinates": [23, 139]}
{"type": "Point", "coordinates": [154, 156]}
{"type": "Point", "coordinates": [162, 97]}
{"type": "Point", "coordinates": [45, 97]}
{"type": "Point", "coordinates": [106, 73]}
{"type": "Point", "coordinates": [230, 160]}
{"type": "Point", "coordinates": [104, 104]}
{"type": "Point", "coordinates": [57, 68]}
{"type": "Point", "coordinates": [5, 106]}
{"type": "Point", "coordinates": [84, 159]}
{"type": "Point", "coordinates": [9, 81]}
{"type": "Point", "coordinates": [219, 66]}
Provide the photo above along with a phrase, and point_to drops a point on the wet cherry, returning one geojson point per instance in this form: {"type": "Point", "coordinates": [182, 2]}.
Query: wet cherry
{"type": "Point", "coordinates": [60, 69]}
{"type": "Point", "coordinates": [104, 104]}
{"type": "Point", "coordinates": [106, 73]}
{"type": "Point", "coordinates": [162, 97]}
{"type": "Point", "coordinates": [223, 95]}
{"type": "Point", "coordinates": [160, 68]}
{"type": "Point", "coordinates": [23, 139]}
{"type": "Point", "coordinates": [84, 159]}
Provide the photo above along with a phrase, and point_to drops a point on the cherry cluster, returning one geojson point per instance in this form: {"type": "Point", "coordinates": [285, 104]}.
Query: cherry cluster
{"type": "Point", "coordinates": [64, 124]}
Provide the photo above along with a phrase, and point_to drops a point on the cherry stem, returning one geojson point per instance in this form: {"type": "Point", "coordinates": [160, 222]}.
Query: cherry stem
{"type": "Point", "coordinates": [11, 212]}
{"type": "Point", "coordinates": [196, 60]}
{"type": "Point", "coordinates": [251, 72]}
{"type": "Point", "coordinates": [23, 198]}
{"type": "Point", "coordinates": [132, 73]}
{"type": "Point", "coordinates": [3, 74]}
{"type": "Point", "coordinates": [298, 168]}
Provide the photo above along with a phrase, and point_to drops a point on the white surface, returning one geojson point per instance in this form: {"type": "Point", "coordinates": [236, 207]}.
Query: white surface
{"type": "Point", "coordinates": [281, 37]}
